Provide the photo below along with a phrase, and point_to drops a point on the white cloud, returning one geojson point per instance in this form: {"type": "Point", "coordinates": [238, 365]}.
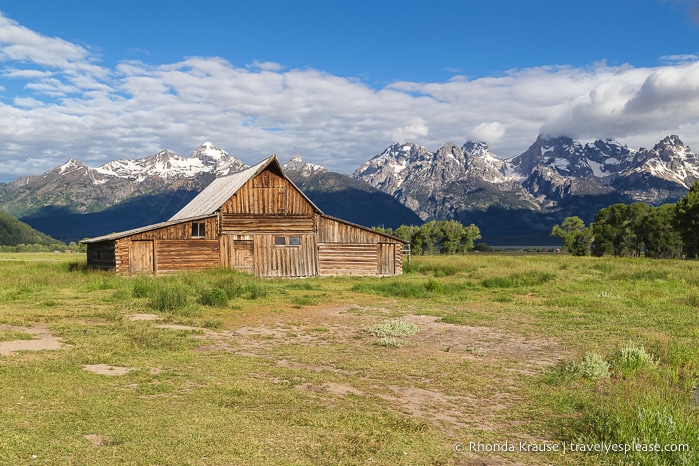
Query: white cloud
{"type": "Point", "coordinates": [488, 131]}
{"type": "Point", "coordinates": [63, 104]}
{"type": "Point", "coordinates": [414, 129]}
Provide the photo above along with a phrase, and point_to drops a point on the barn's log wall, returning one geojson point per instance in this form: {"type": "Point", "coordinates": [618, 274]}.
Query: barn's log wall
{"type": "Point", "coordinates": [332, 230]}
{"type": "Point", "coordinates": [180, 231]}
{"type": "Point", "coordinates": [268, 194]}
{"type": "Point", "coordinates": [287, 260]}
{"type": "Point", "coordinates": [347, 259]}
{"type": "Point", "coordinates": [347, 249]}
{"type": "Point", "coordinates": [102, 255]}
{"type": "Point", "coordinates": [267, 259]}
{"type": "Point", "coordinates": [249, 223]}
{"type": "Point", "coordinates": [122, 253]}
{"type": "Point", "coordinates": [177, 255]}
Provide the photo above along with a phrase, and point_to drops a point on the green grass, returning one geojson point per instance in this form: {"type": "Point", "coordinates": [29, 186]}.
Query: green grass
{"type": "Point", "coordinates": [11, 335]}
{"type": "Point", "coordinates": [232, 369]}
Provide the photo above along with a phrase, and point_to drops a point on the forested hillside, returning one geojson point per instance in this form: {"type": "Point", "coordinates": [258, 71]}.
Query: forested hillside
{"type": "Point", "coordinates": [14, 232]}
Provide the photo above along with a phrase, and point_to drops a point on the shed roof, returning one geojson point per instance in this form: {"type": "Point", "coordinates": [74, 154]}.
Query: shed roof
{"type": "Point", "coordinates": [221, 189]}
{"type": "Point", "coordinates": [135, 231]}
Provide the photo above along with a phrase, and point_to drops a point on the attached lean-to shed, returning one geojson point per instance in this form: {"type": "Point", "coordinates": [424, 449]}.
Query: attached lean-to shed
{"type": "Point", "coordinates": [254, 221]}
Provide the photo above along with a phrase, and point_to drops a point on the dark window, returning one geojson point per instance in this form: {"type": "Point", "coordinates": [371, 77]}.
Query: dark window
{"type": "Point", "coordinates": [279, 240]}
{"type": "Point", "coordinates": [198, 230]}
{"type": "Point", "coordinates": [294, 241]}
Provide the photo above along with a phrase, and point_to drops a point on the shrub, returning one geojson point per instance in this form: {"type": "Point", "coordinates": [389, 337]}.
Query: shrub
{"type": "Point", "coordinates": [215, 297]}
{"type": "Point", "coordinates": [395, 328]}
{"type": "Point", "coordinates": [143, 287]}
{"type": "Point", "coordinates": [168, 298]}
{"type": "Point", "coordinates": [633, 358]}
{"type": "Point", "coordinates": [592, 366]}
{"type": "Point", "coordinates": [389, 342]}
{"type": "Point", "coordinates": [255, 290]}
{"type": "Point", "coordinates": [306, 300]}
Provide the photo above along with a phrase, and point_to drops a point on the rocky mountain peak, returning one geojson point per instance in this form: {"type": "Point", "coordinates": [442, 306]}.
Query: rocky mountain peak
{"type": "Point", "coordinates": [297, 165]}
{"type": "Point", "coordinates": [670, 142]}
{"type": "Point", "coordinates": [216, 159]}
{"type": "Point", "coordinates": [70, 166]}
{"type": "Point", "coordinates": [477, 149]}
{"type": "Point", "coordinates": [208, 152]}
{"type": "Point", "coordinates": [69, 171]}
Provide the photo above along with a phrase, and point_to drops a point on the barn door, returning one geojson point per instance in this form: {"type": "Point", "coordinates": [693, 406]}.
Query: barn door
{"type": "Point", "coordinates": [141, 258]}
{"type": "Point", "coordinates": [387, 259]}
{"type": "Point", "coordinates": [244, 256]}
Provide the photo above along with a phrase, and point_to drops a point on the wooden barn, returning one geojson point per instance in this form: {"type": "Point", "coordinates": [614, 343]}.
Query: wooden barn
{"type": "Point", "coordinates": [256, 221]}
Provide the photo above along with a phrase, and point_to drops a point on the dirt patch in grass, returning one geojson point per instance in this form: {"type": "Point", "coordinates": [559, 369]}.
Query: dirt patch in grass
{"type": "Point", "coordinates": [331, 388]}
{"type": "Point", "coordinates": [535, 353]}
{"type": "Point", "coordinates": [473, 405]}
{"type": "Point", "coordinates": [150, 317]}
{"type": "Point", "coordinates": [41, 340]}
{"type": "Point", "coordinates": [313, 367]}
{"type": "Point", "coordinates": [106, 369]}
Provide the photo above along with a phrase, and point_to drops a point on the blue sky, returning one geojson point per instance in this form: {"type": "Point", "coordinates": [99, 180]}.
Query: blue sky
{"type": "Point", "coordinates": [337, 82]}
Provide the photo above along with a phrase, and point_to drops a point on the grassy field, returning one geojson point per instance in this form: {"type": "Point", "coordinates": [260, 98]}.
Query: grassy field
{"type": "Point", "coordinates": [462, 360]}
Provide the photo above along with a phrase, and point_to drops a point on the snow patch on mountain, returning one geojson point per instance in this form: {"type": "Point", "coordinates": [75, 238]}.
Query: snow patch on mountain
{"type": "Point", "coordinates": [166, 165]}
{"type": "Point", "coordinates": [305, 169]}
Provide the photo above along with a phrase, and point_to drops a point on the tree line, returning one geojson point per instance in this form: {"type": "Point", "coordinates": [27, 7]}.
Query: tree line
{"type": "Point", "coordinates": [437, 236]}
{"type": "Point", "coordinates": [667, 231]}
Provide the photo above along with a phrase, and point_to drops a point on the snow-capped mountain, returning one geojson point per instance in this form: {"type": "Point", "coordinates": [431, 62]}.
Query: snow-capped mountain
{"type": "Point", "coordinates": [438, 184]}
{"type": "Point", "coordinates": [659, 175]}
{"type": "Point", "coordinates": [554, 178]}
{"type": "Point", "coordinates": [663, 173]}
{"type": "Point", "coordinates": [569, 158]}
{"type": "Point", "coordinates": [207, 158]}
{"type": "Point", "coordinates": [85, 189]}
{"type": "Point", "coordinates": [303, 169]}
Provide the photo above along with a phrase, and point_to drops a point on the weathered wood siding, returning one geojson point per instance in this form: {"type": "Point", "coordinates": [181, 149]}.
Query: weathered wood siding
{"type": "Point", "coordinates": [347, 249]}
{"type": "Point", "coordinates": [102, 255]}
{"type": "Point", "coordinates": [180, 231]}
{"type": "Point", "coordinates": [165, 256]}
{"type": "Point", "coordinates": [268, 194]}
{"type": "Point", "coordinates": [249, 223]}
{"type": "Point", "coordinates": [142, 257]}
{"type": "Point", "coordinates": [332, 230]}
{"type": "Point", "coordinates": [258, 254]}
{"type": "Point", "coordinates": [347, 259]}
{"type": "Point", "coordinates": [178, 255]}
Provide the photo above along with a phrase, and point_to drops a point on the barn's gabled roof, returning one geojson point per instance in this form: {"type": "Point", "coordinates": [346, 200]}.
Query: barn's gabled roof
{"type": "Point", "coordinates": [221, 189]}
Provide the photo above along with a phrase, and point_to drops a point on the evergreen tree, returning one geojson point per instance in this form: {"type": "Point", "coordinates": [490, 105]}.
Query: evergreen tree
{"type": "Point", "coordinates": [660, 239]}
{"type": "Point", "coordinates": [612, 231]}
{"type": "Point", "coordinates": [687, 220]}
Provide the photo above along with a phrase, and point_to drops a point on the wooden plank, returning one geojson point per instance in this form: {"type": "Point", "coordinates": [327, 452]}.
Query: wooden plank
{"type": "Point", "coordinates": [268, 194]}
{"type": "Point", "coordinates": [243, 256]}
{"type": "Point", "coordinates": [347, 259]}
{"type": "Point", "coordinates": [142, 257]}
{"type": "Point", "coordinates": [387, 259]}
{"type": "Point", "coordinates": [178, 255]}
{"type": "Point", "coordinates": [180, 231]}
{"type": "Point", "coordinates": [247, 223]}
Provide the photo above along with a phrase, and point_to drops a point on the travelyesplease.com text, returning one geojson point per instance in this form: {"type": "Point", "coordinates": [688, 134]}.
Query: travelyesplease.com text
{"type": "Point", "coordinates": [565, 447]}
